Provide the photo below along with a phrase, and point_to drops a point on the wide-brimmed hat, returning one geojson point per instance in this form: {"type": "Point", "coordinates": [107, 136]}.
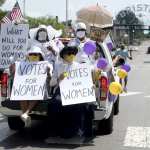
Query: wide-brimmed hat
{"type": "Point", "coordinates": [35, 50]}
{"type": "Point", "coordinates": [52, 33]}
{"type": "Point", "coordinates": [68, 50]}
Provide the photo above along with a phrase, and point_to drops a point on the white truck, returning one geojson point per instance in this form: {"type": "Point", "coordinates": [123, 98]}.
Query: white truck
{"type": "Point", "coordinates": [104, 109]}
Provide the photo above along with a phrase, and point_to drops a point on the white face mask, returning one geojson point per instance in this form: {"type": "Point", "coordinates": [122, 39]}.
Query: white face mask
{"type": "Point", "coordinates": [42, 36]}
{"type": "Point", "coordinates": [80, 34]}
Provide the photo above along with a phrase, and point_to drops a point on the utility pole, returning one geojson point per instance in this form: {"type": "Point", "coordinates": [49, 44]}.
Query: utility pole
{"type": "Point", "coordinates": [24, 8]}
{"type": "Point", "coordinates": [66, 15]}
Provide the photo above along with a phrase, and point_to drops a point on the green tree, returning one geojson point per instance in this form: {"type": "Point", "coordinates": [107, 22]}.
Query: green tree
{"type": "Point", "coordinates": [126, 17]}
{"type": "Point", "coordinates": [35, 22]}
{"type": "Point", "coordinates": [133, 25]}
{"type": "Point", "coordinates": [2, 14]}
{"type": "Point", "coordinates": [2, 2]}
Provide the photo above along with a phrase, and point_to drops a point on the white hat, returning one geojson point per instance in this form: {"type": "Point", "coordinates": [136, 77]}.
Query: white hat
{"type": "Point", "coordinates": [52, 33]}
{"type": "Point", "coordinates": [33, 31]}
{"type": "Point", "coordinates": [42, 26]}
{"type": "Point", "coordinates": [80, 25]}
{"type": "Point", "coordinates": [36, 50]}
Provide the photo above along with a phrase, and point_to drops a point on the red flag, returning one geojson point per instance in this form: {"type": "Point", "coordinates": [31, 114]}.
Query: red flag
{"type": "Point", "coordinates": [15, 14]}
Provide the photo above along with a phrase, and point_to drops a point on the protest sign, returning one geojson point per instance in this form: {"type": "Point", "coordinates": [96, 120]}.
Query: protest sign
{"type": "Point", "coordinates": [97, 34]}
{"type": "Point", "coordinates": [78, 86]}
{"type": "Point", "coordinates": [14, 40]}
{"type": "Point", "coordinates": [29, 81]}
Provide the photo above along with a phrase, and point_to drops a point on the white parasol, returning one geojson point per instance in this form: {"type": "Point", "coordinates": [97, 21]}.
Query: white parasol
{"type": "Point", "coordinates": [95, 15]}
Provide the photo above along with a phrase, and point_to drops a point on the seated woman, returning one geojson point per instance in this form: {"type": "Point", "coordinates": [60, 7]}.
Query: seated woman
{"type": "Point", "coordinates": [67, 121]}
{"type": "Point", "coordinates": [34, 54]}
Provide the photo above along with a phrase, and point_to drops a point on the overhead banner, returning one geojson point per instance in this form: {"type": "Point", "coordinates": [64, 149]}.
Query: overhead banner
{"type": "Point", "coordinates": [78, 86]}
{"type": "Point", "coordinates": [29, 81]}
{"type": "Point", "coordinates": [14, 41]}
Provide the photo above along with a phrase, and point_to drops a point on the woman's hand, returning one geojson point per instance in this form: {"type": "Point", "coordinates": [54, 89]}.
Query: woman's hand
{"type": "Point", "coordinates": [52, 50]}
{"type": "Point", "coordinates": [97, 74]}
{"type": "Point", "coordinates": [63, 76]}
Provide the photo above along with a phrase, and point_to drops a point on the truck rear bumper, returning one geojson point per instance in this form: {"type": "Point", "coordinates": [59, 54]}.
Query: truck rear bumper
{"type": "Point", "coordinates": [12, 108]}
{"type": "Point", "coordinates": [99, 114]}
{"type": "Point", "coordinates": [10, 112]}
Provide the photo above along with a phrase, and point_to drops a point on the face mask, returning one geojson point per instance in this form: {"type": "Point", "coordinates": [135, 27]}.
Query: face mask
{"type": "Point", "coordinates": [69, 58]}
{"type": "Point", "coordinates": [42, 36]}
{"type": "Point", "coordinates": [80, 34]}
{"type": "Point", "coordinates": [34, 58]}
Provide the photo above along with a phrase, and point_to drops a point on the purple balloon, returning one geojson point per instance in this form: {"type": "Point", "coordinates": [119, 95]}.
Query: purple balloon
{"type": "Point", "coordinates": [89, 47]}
{"type": "Point", "coordinates": [126, 67]}
{"type": "Point", "coordinates": [102, 63]}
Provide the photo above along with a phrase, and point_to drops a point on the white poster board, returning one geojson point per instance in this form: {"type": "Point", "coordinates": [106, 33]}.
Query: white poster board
{"type": "Point", "coordinates": [29, 81]}
{"type": "Point", "coordinates": [78, 86]}
{"type": "Point", "coordinates": [13, 43]}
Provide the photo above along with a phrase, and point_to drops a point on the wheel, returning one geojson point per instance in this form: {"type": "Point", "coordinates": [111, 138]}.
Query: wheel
{"type": "Point", "coordinates": [105, 126]}
{"type": "Point", "coordinates": [116, 106]}
{"type": "Point", "coordinates": [15, 123]}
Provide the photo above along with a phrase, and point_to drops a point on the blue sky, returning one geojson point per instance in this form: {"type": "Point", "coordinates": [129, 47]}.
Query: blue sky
{"type": "Point", "coordinates": [37, 8]}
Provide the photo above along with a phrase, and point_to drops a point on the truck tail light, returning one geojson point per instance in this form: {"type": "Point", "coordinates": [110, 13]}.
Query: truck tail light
{"type": "Point", "coordinates": [4, 84]}
{"type": "Point", "coordinates": [103, 88]}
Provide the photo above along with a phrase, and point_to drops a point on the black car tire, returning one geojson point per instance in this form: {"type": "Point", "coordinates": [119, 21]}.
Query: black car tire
{"type": "Point", "coordinates": [105, 126]}
{"type": "Point", "coordinates": [15, 123]}
{"type": "Point", "coordinates": [116, 106]}
{"type": "Point", "coordinates": [148, 50]}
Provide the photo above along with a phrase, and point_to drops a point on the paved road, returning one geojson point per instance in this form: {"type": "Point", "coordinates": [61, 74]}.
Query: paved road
{"type": "Point", "coordinates": [131, 126]}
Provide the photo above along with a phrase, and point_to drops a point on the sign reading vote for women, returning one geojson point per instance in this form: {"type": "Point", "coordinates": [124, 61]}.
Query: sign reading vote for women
{"type": "Point", "coordinates": [77, 87]}
{"type": "Point", "coordinates": [30, 81]}
{"type": "Point", "coordinates": [14, 40]}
